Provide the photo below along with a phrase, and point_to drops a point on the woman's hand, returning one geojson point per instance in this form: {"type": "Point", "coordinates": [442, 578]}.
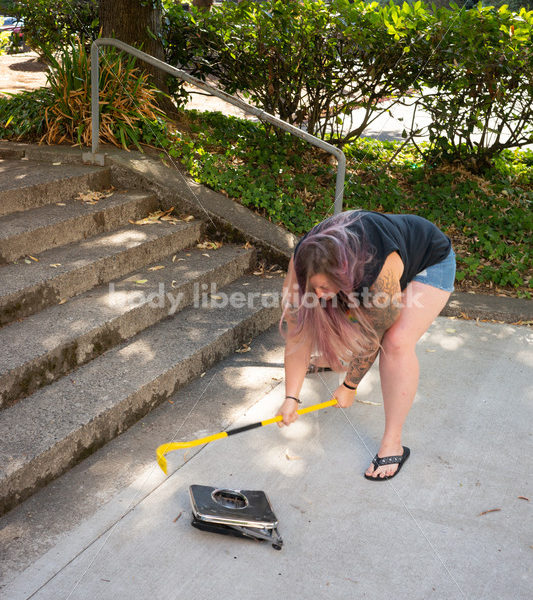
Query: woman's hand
{"type": "Point", "coordinates": [288, 411]}
{"type": "Point", "coordinates": [344, 396]}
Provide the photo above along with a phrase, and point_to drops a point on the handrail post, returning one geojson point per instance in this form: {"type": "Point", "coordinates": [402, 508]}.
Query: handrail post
{"type": "Point", "coordinates": [95, 97]}
{"type": "Point", "coordinates": [94, 157]}
{"type": "Point", "coordinates": [339, 183]}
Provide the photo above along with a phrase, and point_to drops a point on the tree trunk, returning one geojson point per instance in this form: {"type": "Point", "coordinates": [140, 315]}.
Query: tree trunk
{"type": "Point", "coordinates": [137, 24]}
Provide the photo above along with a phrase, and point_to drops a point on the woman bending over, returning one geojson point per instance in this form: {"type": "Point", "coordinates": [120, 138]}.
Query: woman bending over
{"type": "Point", "coordinates": [362, 284]}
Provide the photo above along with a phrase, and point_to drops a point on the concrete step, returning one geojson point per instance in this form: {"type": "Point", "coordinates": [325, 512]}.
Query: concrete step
{"type": "Point", "coordinates": [37, 351]}
{"type": "Point", "coordinates": [28, 184]}
{"type": "Point", "coordinates": [34, 231]}
{"type": "Point", "coordinates": [51, 430]}
{"type": "Point", "coordinates": [28, 288]}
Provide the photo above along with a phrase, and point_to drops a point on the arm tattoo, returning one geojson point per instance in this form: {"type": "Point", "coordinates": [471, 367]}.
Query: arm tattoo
{"type": "Point", "coordinates": [383, 310]}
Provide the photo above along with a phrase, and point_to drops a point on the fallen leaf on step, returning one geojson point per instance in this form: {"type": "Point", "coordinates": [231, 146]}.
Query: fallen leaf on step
{"type": "Point", "coordinates": [189, 218]}
{"type": "Point", "coordinates": [93, 196]}
{"type": "Point", "coordinates": [157, 268]}
{"type": "Point", "coordinates": [247, 246]}
{"type": "Point", "coordinates": [62, 301]}
{"type": "Point", "coordinates": [33, 258]}
{"type": "Point", "coordinates": [485, 512]}
{"type": "Point", "coordinates": [243, 348]}
{"type": "Point", "coordinates": [178, 516]}
{"type": "Point", "coordinates": [205, 254]}
{"type": "Point", "coordinates": [28, 262]}
{"type": "Point", "coordinates": [288, 456]}
{"type": "Point", "coordinates": [202, 374]}
{"type": "Point", "coordinates": [523, 498]}
{"type": "Point", "coordinates": [56, 164]}
{"type": "Point", "coordinates": [368, 402]}
{"type": "Point", "coordinates": [141, 280]}
{"type": "Point", "coordinates": [174, 284]}
{"type": "Point", "coordinates": [154, 217]}
{"type": "Point", "coordinates": [430, 350]}
{"type": "Point", "coordinates": [209, 245]}
{"type": "Point", "coordinates": [450, 330]}
{"type": "Point", "coordinates": [60, 204]}
{"type": "Point", "coordinates": [55, 265]}
{"type": "Point", "coordinates": [170, 219]}
{"type": "Point", "coordinates": [215, 297]}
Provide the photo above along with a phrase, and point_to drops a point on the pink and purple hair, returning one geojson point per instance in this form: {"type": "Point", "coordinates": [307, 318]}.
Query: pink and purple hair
{"type": "Point", "coordinates": [338, 329]}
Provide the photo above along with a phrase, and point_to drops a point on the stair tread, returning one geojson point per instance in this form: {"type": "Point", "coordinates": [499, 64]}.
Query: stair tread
{"type": "Point", "coordinates": [38, 334]}
{"type": "Point", "coordinates": [37, 423]}
{"type": "Point", "coordinates": [16, 174]}
{"type": "Point", "coordinates": [33, 219]}
{"type": "Point", "coordinates": [16, 277]}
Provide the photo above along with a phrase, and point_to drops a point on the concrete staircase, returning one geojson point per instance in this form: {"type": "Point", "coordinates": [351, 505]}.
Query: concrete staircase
{"type": "Point", "coordinates": [101, 319]}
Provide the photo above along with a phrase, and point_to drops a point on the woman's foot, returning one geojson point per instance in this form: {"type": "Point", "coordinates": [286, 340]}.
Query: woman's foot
{"type": "Point", "coordinates": [385, 470]}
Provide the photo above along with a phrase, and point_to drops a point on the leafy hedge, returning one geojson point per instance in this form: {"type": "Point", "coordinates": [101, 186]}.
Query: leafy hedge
{"type": "Point", "coordinates": [313, 63]}
{"type": "Point", "coordinates": [479, 67]}
{"type": "Point", "coordinates": [310, 62]}
{"type": "Point", "coordinates": [50, 25]}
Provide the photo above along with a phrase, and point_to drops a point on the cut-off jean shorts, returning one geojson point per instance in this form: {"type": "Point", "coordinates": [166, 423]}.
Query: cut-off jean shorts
{"type": "Point", "coordinates": [441, 275]}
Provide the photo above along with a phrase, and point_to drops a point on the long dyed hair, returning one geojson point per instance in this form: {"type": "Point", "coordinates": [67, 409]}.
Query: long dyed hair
{"type": "Point", "coordinates": [333, 250]}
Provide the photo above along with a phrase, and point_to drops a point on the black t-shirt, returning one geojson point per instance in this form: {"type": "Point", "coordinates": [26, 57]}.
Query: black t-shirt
{"type": "Point", "coordinates": [419, 243]}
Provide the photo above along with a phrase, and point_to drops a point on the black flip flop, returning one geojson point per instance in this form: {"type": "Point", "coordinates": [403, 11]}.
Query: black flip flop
{"type": "Point", "coordinates": [389, 460]}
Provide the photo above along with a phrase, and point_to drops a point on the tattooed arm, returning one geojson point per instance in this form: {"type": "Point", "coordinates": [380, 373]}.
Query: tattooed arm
{"type": "Point", "coordinates": [383, 308]}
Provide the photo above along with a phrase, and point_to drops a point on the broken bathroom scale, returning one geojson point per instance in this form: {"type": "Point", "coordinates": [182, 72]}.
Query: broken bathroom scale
{"type": "Point", "coordinates": [239, 513]}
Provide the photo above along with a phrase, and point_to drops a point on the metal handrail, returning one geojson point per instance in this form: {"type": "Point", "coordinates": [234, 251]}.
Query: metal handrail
{"type": "Point", "coordinates": [95, 96]}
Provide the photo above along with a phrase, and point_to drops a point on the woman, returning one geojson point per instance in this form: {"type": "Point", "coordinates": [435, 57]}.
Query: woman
{"type": "Point", "coordinates": [360, 284]}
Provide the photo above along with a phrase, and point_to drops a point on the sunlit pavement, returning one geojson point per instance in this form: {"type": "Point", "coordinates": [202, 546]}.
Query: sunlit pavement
{"type": "Point", "coordinates": [456, 522]}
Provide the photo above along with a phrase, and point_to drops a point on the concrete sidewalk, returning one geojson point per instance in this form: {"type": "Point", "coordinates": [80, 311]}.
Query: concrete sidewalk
{"type": "Point", "coordinates": [418, 536]}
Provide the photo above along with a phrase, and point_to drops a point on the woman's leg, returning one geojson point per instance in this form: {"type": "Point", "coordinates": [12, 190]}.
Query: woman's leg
{"type": "Point", "coordinates": [398, 364]}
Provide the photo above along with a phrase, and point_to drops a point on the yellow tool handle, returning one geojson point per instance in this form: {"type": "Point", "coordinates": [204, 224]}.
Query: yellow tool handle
{"type": "Point", "coordinates": [166, 448]}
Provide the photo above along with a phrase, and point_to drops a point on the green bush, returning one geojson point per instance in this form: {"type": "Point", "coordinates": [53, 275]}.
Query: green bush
{"type": "Point", "coordinates": [22, 116]}
{"type": "Point", "coordinates": [309, 62]}
{"type": "Point", "coordinates": [52, 24]}
{"type": "Point", "coordinates": [480, 71]}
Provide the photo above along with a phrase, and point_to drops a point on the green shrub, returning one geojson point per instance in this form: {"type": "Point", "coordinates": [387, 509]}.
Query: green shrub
{"type": "Point", "coordinates": [309, 62]}
{"type": "Point", "coordinates": [52, 24]}
{"type": "Point", "coordinates": [480, 71]}
{"type": "Point", "coordinates": [22, 116]}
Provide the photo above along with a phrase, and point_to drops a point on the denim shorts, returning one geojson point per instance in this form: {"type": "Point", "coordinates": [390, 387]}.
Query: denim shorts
{"type": "Point", "coordinates": [441, 275]}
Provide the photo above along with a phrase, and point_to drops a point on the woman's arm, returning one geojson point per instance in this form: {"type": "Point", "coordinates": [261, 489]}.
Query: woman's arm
{"type": "Point", "coordinates": [297, 353]}
{"type": "Point", "coordinates": [384, 309]}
